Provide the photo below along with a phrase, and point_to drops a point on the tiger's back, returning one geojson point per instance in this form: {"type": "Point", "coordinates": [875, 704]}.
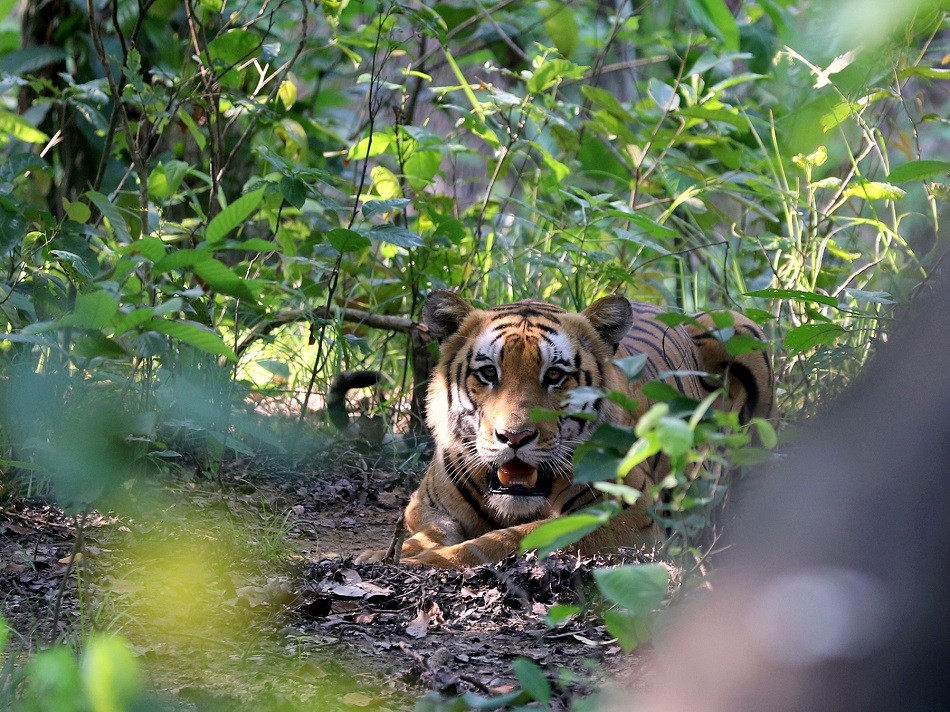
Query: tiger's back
{"type": "Point", "coordinates": [497, 473]}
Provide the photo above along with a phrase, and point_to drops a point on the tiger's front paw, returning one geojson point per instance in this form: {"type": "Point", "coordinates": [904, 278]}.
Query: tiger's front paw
{"type": "Point", "coordinates": [371, 556]}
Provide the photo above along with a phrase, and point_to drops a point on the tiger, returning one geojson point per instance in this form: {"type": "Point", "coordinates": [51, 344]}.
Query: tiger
{"type": "Point", "coordinates": [496, 473]}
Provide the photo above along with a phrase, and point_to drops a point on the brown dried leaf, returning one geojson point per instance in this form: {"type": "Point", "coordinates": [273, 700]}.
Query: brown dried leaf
{"type": "Point", "coordinates": [419, 626]}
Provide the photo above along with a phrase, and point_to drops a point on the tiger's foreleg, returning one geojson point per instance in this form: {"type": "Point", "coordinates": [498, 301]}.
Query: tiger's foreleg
{"type": "Point", "coordinates": [488, 548]}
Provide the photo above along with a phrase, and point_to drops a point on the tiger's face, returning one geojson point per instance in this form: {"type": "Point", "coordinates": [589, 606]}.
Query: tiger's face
{"type": "Point", "coordinates": [497, 367]}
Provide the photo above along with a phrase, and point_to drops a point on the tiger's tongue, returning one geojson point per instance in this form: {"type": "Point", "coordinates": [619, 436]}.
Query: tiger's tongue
{"type": "Point", "coordinates": [516, 473]}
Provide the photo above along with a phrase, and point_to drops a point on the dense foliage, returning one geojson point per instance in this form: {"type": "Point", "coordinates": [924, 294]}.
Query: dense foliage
{"type": "Point", "coordinates": [198, 199]}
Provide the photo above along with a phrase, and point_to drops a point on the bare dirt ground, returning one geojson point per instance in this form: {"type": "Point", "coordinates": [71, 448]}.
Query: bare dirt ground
{"type": "Point", "coordinates": [242, 593]}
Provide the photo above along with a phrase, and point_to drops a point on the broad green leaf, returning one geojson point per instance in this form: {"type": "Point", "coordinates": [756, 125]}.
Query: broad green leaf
{"type": "Point", "coordinates": [594, 465]}
{"type": "Point", "coordinates": [234, 47]}
{"type": "Point", "coordinates": [221, 278]}
{"type": "Point", "coordinates": [193, 334]}
{"type": "Point", "coordinates": [649, 420]}
{"type": "Point", "coordinates": [808, 336]}
{"type": "Point", "coordinates": [560, 21]}
{"type": "Point", "coordinates": [629, 629]}
{"type": "Point", "coordinates": [294, 191]}
{"type": "Point", "coordinates": [132, 320]}
{"type": "Point", "coordinates": [796, 295]}
{"type": "Point", "coordinates": [420, 168]}
{"type": "Point", "coordinates": [532, 679]}
{"type": "Point", "coordinates": [639, 588]}
{"type": "Point", "coordinates": [287, 93]}
{"type": "Point", "coordinates": [396, 236]}
{"type": "Point", "coordinates": [112, 214]}
{"type": "Point", "coordinates": [375, 207]}
{"type": "Point", "coordinates": [918, 170]}
{"type": "Point", "coordinates": [92, 311]}
{"type": "Point", "coordinates": [557, 533]}
{"type": "Point", "coordinates": [166, 178]}
{"type": "Point", "coordinates": [663, 94]}
{"type": "Point", "coordinates": [767, 435]}
{"type": "Point", "coordinates": [874, 190]}
{"type": "Point", "coordinates": [552, 72]}
{"type": "Point", "coordinates": [19, 128]}
{"type": "Point", "coordinates": [28, 59]}
{"type": "Point", "coordinates": [95, 344]}
{"type": "Point", "coordinates": [110, 673]}
{"type": "Point", "coordinates": [863, 297]}
{"type": "Point", "coordinates": [632, 366]}
{"type": "Point", "coordinates": [643, 449]}
{"type": "Point", "coordinates": [724, 23]}
{"type": "Point", "coordinates": [624, 493]}
{"type": "Point", "coordinates": [675, 436]}
{"type": "Point", "coordinates": [370, 146]}
{"type": "Point", "coordinates": [343, 240]}
{"type": "Point", "coordinates": [744, 344]}
{"type": "Point", "coordinates": [727, 116]}
{"type": "Point", "coordinates": [77, 211]}
{"type": "Point", "coordinates": [557, 614]}
{"type": "Point", "coordinates": [233, 215]}
{"type": "Point", "coordinates": [180, 259]}
{"type": "Point", "coordinates": [607, 101]}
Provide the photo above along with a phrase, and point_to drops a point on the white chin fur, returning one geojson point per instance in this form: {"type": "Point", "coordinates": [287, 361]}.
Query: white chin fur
{"type": "Point", "coordinates": [514, 506]}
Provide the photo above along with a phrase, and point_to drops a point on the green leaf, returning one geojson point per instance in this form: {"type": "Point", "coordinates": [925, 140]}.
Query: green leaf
{"type": "Point", "coordinates": [918, 170]}
{"type": "Point", "coordinates": [421, 167]}
{"type": "Point", "coordinates": [398, 236]}
{"type": "Point", "coordinates": [808, 336]}
{"type": "Point", "coordinates": [234, 47]}
{"type": "Point", "coordinates": [767, 435]}
{"type": "Point", "coordinates": [193, 334]}
{"type": "Point", "coordinates": [180, 259]}
{"type": "Point", "coordinates": [294, 191]}
{"type": "Point", "coordinates": [630, 630]}
{"type": "Point", "coordinates": [370, 146]}
{"type": "Point", "coordinates": [559, 532]}
{"type": "Point", "coordinates": [166, 178]}
{"type": "Point", "coordinates": [28, 59]}
{"type": "Point", "coordinates": [375, 207]}
{"type": "Point", "coordinates": [632, 366]}
{"type": "Point", "coordinates": [343, 240]}
{"type": "Point", "coordinates": [223, 279]}
{"type": "Point", "coordinates": [874, 190]}
{"type": "Point", "coordinates": [557, 614]}
{"type": "Point", "coordinates": [663, 94]}
{"type": "Point", "coordinates": [532, 679]}
{"type": "Point", "coordinates": [797, 295]}
{"type": "Point", "coordinates": [640, 451]}
{"type": "Point", "coordinates": [595, 465]}
{"type": "Point", "coordinates": [675, 436]}
{"type": "Point", "coordinates": [639, 588]}
{"type": "Point", "coordinates": [561, 24]}
{"type": "Point", "coordinates": [233, 215]}
{"type": "Point", "coordinates": [110, 673]}
{"type": "Point", "coordinates": [92, 311]}
{"type": "Point", "coordinates": [20, 129]}
{"type": "Point", "coordinates": [112, 214]}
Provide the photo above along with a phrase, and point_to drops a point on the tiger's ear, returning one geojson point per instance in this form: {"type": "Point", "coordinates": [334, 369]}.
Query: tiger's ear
{"type": "Point", "coordinates": [444, 313]}
{"type": "Point", "coordinates": [611, 318]}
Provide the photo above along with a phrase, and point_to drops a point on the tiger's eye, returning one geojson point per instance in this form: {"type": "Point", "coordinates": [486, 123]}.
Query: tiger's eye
{"type": "Point", "coordinates": [488, 373]}
{"type": "Point", "coordinates": [554, 375]}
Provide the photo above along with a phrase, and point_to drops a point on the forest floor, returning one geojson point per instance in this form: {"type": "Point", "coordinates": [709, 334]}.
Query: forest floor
{"type": "Point", "coordinates": [240, 592]}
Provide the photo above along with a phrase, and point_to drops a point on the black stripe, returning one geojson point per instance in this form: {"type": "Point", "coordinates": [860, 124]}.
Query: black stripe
{"type": "Point", "coordinates": [572, 505]}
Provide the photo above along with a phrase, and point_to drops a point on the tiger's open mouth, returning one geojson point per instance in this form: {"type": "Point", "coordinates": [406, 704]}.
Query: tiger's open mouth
{"type": "Point", "coordinates": [518, 478]}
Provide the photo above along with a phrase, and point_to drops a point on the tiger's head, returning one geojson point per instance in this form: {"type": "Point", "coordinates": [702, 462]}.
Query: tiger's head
{"type": "Point", "coordinates": [498, 365]}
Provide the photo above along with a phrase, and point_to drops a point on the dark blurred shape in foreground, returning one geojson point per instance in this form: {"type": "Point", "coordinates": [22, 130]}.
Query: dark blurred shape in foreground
{"type": "Point", "coordinates": [834, 594]}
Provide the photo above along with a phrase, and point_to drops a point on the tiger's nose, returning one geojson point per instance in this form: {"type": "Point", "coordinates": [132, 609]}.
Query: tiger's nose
{"type": "Point", "coordinates": [516, 439]}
